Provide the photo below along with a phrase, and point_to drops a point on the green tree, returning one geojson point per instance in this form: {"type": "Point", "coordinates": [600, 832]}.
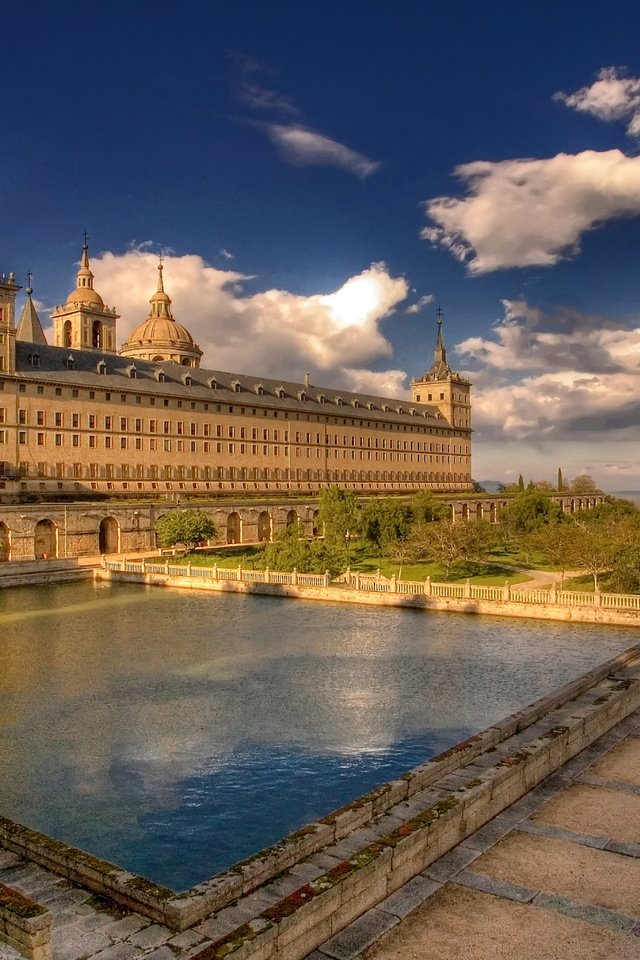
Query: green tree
{"type": "Point", "coordinates": [188, 527]}
{"type": "Point", "coordinates": [584, 484]}
{"type": "Point", "coordinates": [339, 512]}
{"type": "Point", "coordinates": [521, 483]}
{"type": "Point", "coordinates": [426, 507]}
{"type": "Point", "coordinates": [590, 548]}
{"type": "Point", "coordinates": [289, 551]}
{"type": "Point", "coordinates": [552, 540]}
{"type": "Point", "coordinates": [448, 543]}
{"type": "Point", "coordinates": [527, 510]}
{"type": "Point", "coordinates": [626, 569]}
{"type": "Point", "coordinates": [560, 481]}
{"type": "Point", "coordinates": [385, 521]}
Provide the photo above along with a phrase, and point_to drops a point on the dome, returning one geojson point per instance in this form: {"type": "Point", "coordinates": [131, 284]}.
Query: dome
{"type": "Point", "coordinates": [159, 331]}
{"type": "Point", "coordinates": [85, 295]}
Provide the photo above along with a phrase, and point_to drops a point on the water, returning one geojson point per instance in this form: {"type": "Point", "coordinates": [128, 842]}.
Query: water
{"type": "Point", "coordinates": [176, 733]}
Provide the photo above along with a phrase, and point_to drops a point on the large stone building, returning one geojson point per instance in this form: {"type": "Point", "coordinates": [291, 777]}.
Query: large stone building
{"type": "Point", "coordinates": [85, 419]}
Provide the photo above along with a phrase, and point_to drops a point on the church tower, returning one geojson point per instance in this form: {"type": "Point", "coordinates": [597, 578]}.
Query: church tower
{"type": "Point", "coordinates": [83, 322]}
{"type": "Point", "coordinates": [160, 336]}
{"type": "Point", "coordinates": [444, 388]}
{"type": "Point", "coordinates": [8, 291]}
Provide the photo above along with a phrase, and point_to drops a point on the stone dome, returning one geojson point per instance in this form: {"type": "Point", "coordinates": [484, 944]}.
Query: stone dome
{"type": "Point", "coordinates": [159, 330]}
{"type": "Point", "coordinates": [85, 295]}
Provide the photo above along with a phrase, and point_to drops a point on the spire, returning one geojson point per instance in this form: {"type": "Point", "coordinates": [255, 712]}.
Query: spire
{"type": "Point", "coordinates": [440, 367]}
{"type": "Point", "coordinates": [160, 301]}
{"type": "Point", "coordinates": [84, 277]}
{"type": "Point", "coordinates": [30, 328]}
{"type": "Point", "coordinates": [440, 353]}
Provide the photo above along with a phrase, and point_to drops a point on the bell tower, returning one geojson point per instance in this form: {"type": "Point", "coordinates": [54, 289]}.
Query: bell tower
{"type": "Point", "coordinates": [443, 388]}
{"type": "Point", "coordinates": [8, 291]}
{"type": "Point", "coordinates": [83, 322]}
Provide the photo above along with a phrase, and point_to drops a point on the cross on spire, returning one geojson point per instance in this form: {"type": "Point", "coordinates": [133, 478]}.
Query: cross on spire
{"type": "Point", "coordinates": [85, 236]}
{"type": "Point", "coordinates": [29, 278]}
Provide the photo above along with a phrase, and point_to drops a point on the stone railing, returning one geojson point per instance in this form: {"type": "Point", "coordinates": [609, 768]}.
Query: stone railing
{"type": "Point", "coordinates": [377, 584]}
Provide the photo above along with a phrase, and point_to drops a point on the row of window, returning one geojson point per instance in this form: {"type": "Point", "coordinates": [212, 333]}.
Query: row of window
{"type": "Point", "coordinates": [125, 471]}
{"type": "Point", "coordinates": [252, 411]}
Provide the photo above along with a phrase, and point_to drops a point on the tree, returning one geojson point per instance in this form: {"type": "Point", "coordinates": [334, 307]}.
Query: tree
{"type": "Point", "coordinates": [338, 510]}
{"type": "Point", "coordinates": [521, 483]}
{"type": "Point", "coordinates": [527, 510]}
{"type": "Point", "coordinates": [560, 481]}
{"type": "Point", "coordinates": [448, 543]}
{"type": "Point", "coordinates": [385, 521]}
{"type": "Point", "coordinates": [290, 551]}
{"type": "Point", "coordinates": [189, 527]}
{"type": "Point", "coordinates": [584, 484]}
{"type": "Point", "coordinates": [626, 569]}
{"type": "Point", "coordinates": [590, 548]}
{"type": "Point", "coordinates": [426, 507]}
{"type": "Point", "coordinates": [552, 540]}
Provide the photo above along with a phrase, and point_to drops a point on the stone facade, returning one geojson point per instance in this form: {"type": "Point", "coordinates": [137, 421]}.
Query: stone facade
{"type": "Point", "coordinates": [80, 418]}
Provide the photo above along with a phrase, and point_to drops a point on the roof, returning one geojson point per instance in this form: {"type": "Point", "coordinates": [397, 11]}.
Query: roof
{"type": "Point", "coordinates": [81, 368]}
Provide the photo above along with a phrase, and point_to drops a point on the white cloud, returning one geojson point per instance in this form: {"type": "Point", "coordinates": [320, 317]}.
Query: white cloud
{"type": "Point", "coordinates": [225, 254]}
{"type": "Point", "coordinates": [612, 96]}
{"type": "Point", "coordinates": [304, 147]}
{"type": "Point", "coordinates": [520, 213]}
{"type": "Point", "coordinates": [275, 333]}
{"type": "Point", "coordinates": [575, 379]}
{"type": "Point", "coordinates": [252, 89]}
{"type": "Point", "coordinates": [420, 304]}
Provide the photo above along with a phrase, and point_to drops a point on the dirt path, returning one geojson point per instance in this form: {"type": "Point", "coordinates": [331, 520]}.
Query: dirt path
{"type": "Point", "coordinates": [541, 578]}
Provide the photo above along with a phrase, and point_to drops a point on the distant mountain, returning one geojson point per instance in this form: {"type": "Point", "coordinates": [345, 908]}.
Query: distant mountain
{"type": "Point", "coordinates": [492, 486]}
{"type": "Point", "coordinates": [633, 495]}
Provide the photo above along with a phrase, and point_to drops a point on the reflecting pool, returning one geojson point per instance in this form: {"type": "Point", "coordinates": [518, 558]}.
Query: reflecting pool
{"type": "Point", "coordinates": [175, 733]}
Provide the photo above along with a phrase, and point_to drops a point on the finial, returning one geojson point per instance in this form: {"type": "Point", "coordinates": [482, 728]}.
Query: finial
{"type": "Point", "coordinates": [160, 269]}
{"type": "Point", "coordinates": [29, 278]}
{"type": "Point", "coordinates": [439, 315]}
{"type": "Point", "coordinates": [85, 236]}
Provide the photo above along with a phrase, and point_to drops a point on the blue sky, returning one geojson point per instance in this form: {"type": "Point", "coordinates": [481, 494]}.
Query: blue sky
{"type": "Point", "coordinates": [291, 160]}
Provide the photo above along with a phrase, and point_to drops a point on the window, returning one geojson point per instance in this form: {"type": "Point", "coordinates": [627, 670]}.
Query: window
{"type": "Point", "coordinates": [76, 440]}
{"type": "Point", "coordinates": [57, 439]}
{"type": "Point", "coordinates": [22, 437]}
{"type": "Point", "coordinates": [108, 423]}
{"type": "Point", "coordinates": [40, 418]}
{"type": "Point", "coordinates": [166, 426]}
{"type": "Point", "coordinates": [123, 443]}
{"type": "Point", "coordinates": [92, 440]}
{"type": "Point", "coordinates": [22, 416]}
{"type": "Point", "coordinates": [107, 442]}
{"type": "Point", "coordinates": [75, 421]}
{"type": "Point", "coordinates": [41, 439]}
{"type": "Point", "coordinates": [167, 445]}
{"type": "Point", "coordinates": [92, 421]}
{"type": "Point", "coordinates": [153, 425]}
{"type": "Point", "coordinates": [138, 443]}
{"type": "Point", "coordinates": [123, 424]}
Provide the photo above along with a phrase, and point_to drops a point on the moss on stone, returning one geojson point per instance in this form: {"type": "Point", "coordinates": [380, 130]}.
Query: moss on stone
{"type": "Point", "coordinates": [19, 905]}
{"type": "Point", "coordinates": [146, 888]}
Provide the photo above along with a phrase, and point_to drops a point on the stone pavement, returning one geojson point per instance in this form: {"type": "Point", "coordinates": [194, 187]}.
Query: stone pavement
{"type": "Point", "coordinates": [555, 876]}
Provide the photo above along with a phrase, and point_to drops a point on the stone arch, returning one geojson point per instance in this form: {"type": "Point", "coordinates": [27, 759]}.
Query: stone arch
{"type": "Point", "coordinates": [45, 540]}
{"type": "Point", "coordinates": [465, 511]}
{"type": "Point", "coordinates": [96, 336]}
{"type": "Point", "coordinates": [67, 334]}
{"type": "Point", "coordinates": [109, 535]}
{"type": "Point", "coordinates": [479, 511]}
{"type": "Point", "coordinates": [315, 522]}
{"type": "Point", "coordinates": [234, 528]}
{"type": "Point", "coordinates": [5, 542]}
{"type": "Point", "coordinates": [492, 512]}
{"type": "Point", "coordinates": [264, 526]}
{"type": "Point", "coordinates": [292, 518]}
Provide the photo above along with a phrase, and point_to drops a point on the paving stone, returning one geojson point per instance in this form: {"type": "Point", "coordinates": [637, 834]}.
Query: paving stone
{"type": "Point", "coordinates": [359, 935]}
{"type": "Point", "coordinates": [499, 888]}
{"type": "Point", "coordinates": [324, 861]}
{"type": "Point", "coordinates": [283, 885]}
{"type": "Point", "coordinates": [72, 941]}
{"type": "Point", "coordinates": [127, 926]}
{"type": "Point", "coordinates": [119, 951]}
{"type": "Point", "coordinates": [306, 871]}
{"type": "Point", "coordinates": [580, 910]}
{"type": "Point", "coordinates": [411, 895]}
{"type": "Point", "coordinates": [151, 936]}
{"type": "Point", "coordinates": [626, 849]}
{"type": "Point", "coordinates": [490, 834]}
{"type": "Point", "coordinates": [447, 866]}
{"type": "Point", "coordinates": [542, 829]}
{"type": "Point", "coordinates": [162, 953]}
{"type": "Point", "coordinates": [8, 859]}
{"type": "Point", "coordinates": [216, 927]}
{"type": "Point", "coordinates": [188, 938]}
{"type": "Point", "coordinates": [620, 785]}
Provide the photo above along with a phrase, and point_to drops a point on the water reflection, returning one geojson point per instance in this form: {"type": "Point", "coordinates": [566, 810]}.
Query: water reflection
{"type": "Point", "coordinates": [175, 733]}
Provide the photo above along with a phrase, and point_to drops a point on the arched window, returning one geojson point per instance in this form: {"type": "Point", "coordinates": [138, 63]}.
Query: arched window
{"type": "Point", "coordinates": [67, 334]}
{"type": "Point", "coordinates": [96, 336]}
